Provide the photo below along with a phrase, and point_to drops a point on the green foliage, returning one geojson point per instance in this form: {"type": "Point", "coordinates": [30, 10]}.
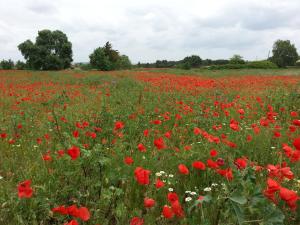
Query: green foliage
{"type": "Point", "coordinates": [284, 53]}
{"type": "Point", "coordinates": [185, 66]}
{"type": "Point", "coordinates": [263, 64]}
{"type": "Point", "coordinates": [20, 65]}
{"type": "Point", "coordinates": [7, 64]}
{"type": "Point", "coordinates": [51, 51]}
{"type": "Point", "coordinates": [194, 61]}
{"type": "Point", "coordinates": [99, 60]}
{"type": "Point", "coordinates": [236, 59]}
{"type": "Point", "coordinates": [123, 62]}
{"type": "Point", "coordinates": [228, 66]}
{"type": "Point", "coordinates": [105, 58]}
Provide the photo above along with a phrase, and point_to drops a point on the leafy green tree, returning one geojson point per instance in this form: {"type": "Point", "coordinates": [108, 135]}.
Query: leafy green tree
{"type": "Point", "coordinates": [106, 58]}
{"type": "Point", "coordinates": [112, 54]}
{"type": "Point", "coordinates": [236, 59]}
{"type": "Point", "coordinates": [20, 65]}
{"type": "Point", "coordinates": [51, 51]}
{"type": "Point", "coordinates": [123, 62]}
{"type": "Point", "coordinates": [7, 64]}
{"type": "Point", "coordinates": [99, 60]}
{"type": "Point", "coordinates": [284, 53]}
{"type": "Point", "coordinates": [192, 61]}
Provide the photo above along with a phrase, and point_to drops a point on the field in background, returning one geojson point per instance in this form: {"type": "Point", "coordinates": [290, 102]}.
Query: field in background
{"type": "Point", "coordinates": [239, 72]}
{"type": "Point", "coordinates": [150, 147]}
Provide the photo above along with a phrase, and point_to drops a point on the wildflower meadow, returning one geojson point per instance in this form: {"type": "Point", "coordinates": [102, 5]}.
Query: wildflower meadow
{"type": "Point", "coordinates": [146, 147]}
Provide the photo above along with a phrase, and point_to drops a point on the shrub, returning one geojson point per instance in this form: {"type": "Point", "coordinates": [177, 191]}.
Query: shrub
{"type": "Point", "coordinates": [7, 64]}
{"type": "Point", "coordinates": [264, 64]}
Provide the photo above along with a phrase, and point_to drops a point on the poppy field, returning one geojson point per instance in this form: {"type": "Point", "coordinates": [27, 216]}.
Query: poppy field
{"type": "Point", "coordinates": [146, 148]}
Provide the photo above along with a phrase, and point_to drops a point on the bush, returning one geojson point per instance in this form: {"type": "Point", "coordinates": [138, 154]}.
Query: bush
{"type": "Point", "coordinates": [264, 64]}
{"type": "Point", "coordinates": [20, 65]}
{"type": "Point", "coordinates": [228, 66]}
{"type": "Point", "coordinates": [7, 64]}
{"type": "Point", "coordinates": [185, 66]}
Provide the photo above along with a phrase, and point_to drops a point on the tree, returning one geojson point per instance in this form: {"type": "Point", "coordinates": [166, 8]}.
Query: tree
{"type": "Point", "coordinates": [236, 59]}
{"type": "Point", "coordinates": [284, 53]}
{"type": "Point", "coordinates": [20, 65]}
{"type": "Point", "coordinates": [106, 58]}
{"type": "Point", "coordinates": [51, 51]}
{"type": "Point", "coordinates": [99, 60]}
{"type": "Point", "coordinates": [192, 61]}
{"type": "Point", "coordinates": [7, 64]}
{"type": "Point", "coordinates": [123, 62]}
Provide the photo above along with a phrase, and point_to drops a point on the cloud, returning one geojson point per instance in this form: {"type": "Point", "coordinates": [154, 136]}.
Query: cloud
{"type": "Point", "coordinates": [149, 30]}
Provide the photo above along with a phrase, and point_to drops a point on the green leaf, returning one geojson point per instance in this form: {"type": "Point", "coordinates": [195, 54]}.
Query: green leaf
{"type": "Point", "coordinates": [240, 199]}
{"type": "Point", "coordinates": [239, 212]}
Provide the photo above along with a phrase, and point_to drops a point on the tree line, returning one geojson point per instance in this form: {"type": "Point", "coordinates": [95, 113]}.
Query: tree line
{"type": "Point", "coordinates": [53, 51]}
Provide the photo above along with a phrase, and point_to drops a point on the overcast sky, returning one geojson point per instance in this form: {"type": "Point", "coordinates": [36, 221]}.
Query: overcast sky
{"type": "Point", "coordinates": [147, 30]}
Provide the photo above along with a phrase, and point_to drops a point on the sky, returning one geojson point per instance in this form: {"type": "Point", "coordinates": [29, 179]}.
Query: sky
{"type": "Point", "coordinates": [147, 30]}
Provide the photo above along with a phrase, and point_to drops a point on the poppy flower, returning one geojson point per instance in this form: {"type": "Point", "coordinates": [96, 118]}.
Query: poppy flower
{"type": "Point", "coordinates": [119, 125]}
{"type": "Point", "coordinates": [172, 197]}
{"type": "Point", "coordinates": [61, 210]}
{"type": "Point", "coordinates": [128, 160]}
{"type": "Point", "coordinates": [159, 143]}
{"type": "Point", "coordinates": [177, 209]}
{"type": "Point", "coordinates": [137, 221]}
{"type": "Point", "coordinates": [159, 183]}
{"type": "Point", "coordinates": [213, 153]}
{"type": "Point", "coordinates": [183, 169]}
{"type": "Point", "coordinates": [75, 133]}
{"type": "Point", "coordinates": [241, 163]}
{"type": "Point", "coordinates": [296, 143]}
{"type": "Point", "coordinates": [290, 197]}
{"type": "Point", "coordinates": [141, 147]}
{"type": "Point", "coordinates": [211, 164]}
{"type": "Point", "coordinates": [199, 165]}
{"type": "Point", "coordinates": [24, 189]}
{"type": "Point", "coordinates": [167, 212]}
{"type": "Point", "coordinates": [149, 202]}
{"type": "Point", "coordinates": [146, 133]}
{"type": "Point", "coordinates": [74, 152]}
{"type": "Point", "coordinates": [83, 214]}
{"type": "Point", "coordinates": [227, 173]}
{"type": "Point", "coordinates": [72, 222]}
{"type": "Point", "coordinates": [142, 175]}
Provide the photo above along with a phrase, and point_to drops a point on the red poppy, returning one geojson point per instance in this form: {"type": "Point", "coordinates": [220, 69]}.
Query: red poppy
{"type": "Point", "coordinates": [159, 183]}
{"type": "Point", "coordinates": [74, 152]}
{"type": "Point", "coordinates": [119, 125]}
{"type": "Point", "coordinates": [296, 143]}
{"type": "Point", "coordinates": [290, 197]}
{"type": "Point", "coordinates": [159, 143]}
{"type": "Point", "coordinates": [137, 221]}
{"type": "Point", "coordinates": [128, 160]}
{"type": "Point", "coordinates": [141, 147]}
{"type": "Point", "coordinates": [177, 209]}
{"type": "Point", "coordinates": [149, 202]}
{"type": "Point", "coordinates": [24, 189]}
{"type": "Point", "coordinates": [211, 164]}
{"type": "Point", "coordinates": [227, 173]}
{"type": "Point", "coordinates": [172, 197]}
{"type": "Point", "coordinates": [241, 163]}
{"type": "Point", "coordinates": [142, 175]}
{"type": "Point", "coordinates": [72, 222]}
{"type": "Point", "coordinates": [83, 214]}
{"type": "Point", "coordinates": [199, 165]}
{"type": "Point", "coordinates": [167, 212]}
{"type": "Point", "coordinates": [213, 153]}
{"type": "Point", "coordinates": [183, 169]}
